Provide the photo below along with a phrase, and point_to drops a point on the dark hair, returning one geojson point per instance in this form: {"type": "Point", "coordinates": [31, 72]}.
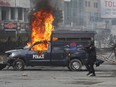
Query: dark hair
{"type": "Point", "coordinates": [91, 43]}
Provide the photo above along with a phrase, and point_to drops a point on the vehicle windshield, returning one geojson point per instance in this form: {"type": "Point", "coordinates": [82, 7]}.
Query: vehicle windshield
{"type": "Point", "coordinates": [39, 42]}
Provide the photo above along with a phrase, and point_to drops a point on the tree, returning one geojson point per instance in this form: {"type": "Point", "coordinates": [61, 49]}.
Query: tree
{"type": "Point", "coordinates": [58, 17]}
{"type": "Point", "coordinates": [103, 38]}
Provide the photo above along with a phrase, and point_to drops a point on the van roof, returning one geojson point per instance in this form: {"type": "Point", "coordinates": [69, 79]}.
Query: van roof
{"type": "Point", "coordinates": [73, 34]}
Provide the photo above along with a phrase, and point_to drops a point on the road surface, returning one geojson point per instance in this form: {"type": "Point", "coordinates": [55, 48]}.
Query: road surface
{"type": "Point", "coordinates": [58, 77]}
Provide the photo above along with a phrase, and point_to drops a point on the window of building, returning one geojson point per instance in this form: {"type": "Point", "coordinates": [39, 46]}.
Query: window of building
{"type": "Point", "coordinates": [85, 3]}
{"type": "Point", "coordinates": [89, 4]}
{"type": "Point", "coordinates": [114, 21]}
{"type": "Point", "coordinates": [74, 4]}
{"type": "Point", "coordinates": [67, 13]}
{"type": "Point", "coordinates": [12, 13]}
{"type": "Point", "coordinates": [20, 14]}
{"type": "Point", "coordinates": [4, 13]}
{"type": "Point", "coordinates": [95, 17]}
{"type": "Point", "coordinates": [95, 5]}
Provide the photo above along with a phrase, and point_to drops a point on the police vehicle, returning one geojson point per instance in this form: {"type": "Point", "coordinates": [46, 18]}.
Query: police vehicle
{"type": "Point", "coordinates": [62, 52]}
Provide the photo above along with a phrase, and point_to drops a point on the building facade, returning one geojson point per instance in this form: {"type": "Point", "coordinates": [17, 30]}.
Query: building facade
{"type": "Point", "coordinates": [14, 14]}
{"type": "Point", "coordinates": [82, 14]}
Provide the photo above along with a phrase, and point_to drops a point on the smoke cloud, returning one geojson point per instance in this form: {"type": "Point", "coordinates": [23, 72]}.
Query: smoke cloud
{"type": "Point", "coordinates": [43, 4]}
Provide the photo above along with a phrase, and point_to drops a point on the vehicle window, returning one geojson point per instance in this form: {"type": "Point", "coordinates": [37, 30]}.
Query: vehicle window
{"type": "Point", "coordinates": [39, 45]}
{"type": "Point", "coordinates": [54, 49]}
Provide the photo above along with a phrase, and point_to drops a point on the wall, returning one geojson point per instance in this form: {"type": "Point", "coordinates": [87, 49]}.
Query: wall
{"type": "Point", "coordinates": [15, 3]}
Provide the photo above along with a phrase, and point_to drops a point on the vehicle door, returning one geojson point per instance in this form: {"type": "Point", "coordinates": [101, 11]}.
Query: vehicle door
{"type": "Point", "coordinates": [38, 57]}
{"type": "Point", "coordinates": [58, 56]}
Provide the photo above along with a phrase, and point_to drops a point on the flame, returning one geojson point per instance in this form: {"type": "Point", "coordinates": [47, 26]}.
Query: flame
{"type": "Point", "coordinates": [41, 29]}
{"type": "Point", "coordinates": [55, 39]}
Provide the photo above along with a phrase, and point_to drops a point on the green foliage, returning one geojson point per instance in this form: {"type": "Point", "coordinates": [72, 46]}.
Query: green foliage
{"type": "Point", "coordinates": [58, 17]}
{"type": "Point", "coordinates": [8, 43]}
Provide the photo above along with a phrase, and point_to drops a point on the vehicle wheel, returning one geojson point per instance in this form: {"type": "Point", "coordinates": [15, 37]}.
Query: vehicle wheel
{"type": "Point", "coordinates": [74, 65]}
{"type": "Point", "coordinates": [18, 65]}
{"type": "Point", "coordinates": [2, 66]}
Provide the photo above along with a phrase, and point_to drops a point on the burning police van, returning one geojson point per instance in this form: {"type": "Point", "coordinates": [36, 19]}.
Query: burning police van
{"type": "Point", "coordinates": [48, 47]}
{"type": "Point", "coordinates": [66, 49]}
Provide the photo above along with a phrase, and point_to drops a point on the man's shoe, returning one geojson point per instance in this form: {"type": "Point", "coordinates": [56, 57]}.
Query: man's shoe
{"type": "Point", "coordinates": [92, 75]}
{"type": "Point", "coordinates": [88, 73]}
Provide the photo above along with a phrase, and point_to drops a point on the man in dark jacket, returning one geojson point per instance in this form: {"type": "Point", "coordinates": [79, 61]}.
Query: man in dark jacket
{"type": "Point", "coordinates": [91, 58]}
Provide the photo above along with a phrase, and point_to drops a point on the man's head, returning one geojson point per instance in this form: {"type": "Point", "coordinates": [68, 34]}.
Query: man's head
{"type": "Point", "coordinates": [91, 43]}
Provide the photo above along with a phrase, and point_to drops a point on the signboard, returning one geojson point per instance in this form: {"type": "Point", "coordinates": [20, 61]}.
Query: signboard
{"type": "Point", "coordinates": [15, 3]}
{"type": "Point", "coordinates": [23, 3]}
{"type": "Point", "coordinates": [108, 8]}
{"type": "Point", "coordinates": [8, 3]}
{"type": "Point", "coordinates": [10, 26]}
{"type": "Point", "coordinates": [67, 0]}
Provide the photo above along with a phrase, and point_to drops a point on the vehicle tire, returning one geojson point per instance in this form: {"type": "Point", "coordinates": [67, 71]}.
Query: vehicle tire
{"type": "Point", "coordinates": [18, 65]}
{"type": "Point", "coordinates": [75, 65]}
{"type": "Point", "coordinates": [2, 66]}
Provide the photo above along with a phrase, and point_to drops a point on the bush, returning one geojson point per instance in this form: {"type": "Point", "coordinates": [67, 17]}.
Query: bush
{"type": "Point", "coordinates": [8, 43]}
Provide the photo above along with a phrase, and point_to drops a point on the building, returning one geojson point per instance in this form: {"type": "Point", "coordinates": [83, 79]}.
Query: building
{"type": "Point", "coordinates": [14, 15]}
{"type": "Point", "coordinates": [82, 14]}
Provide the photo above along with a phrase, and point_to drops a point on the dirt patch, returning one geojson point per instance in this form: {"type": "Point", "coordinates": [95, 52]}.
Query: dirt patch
{"type": "Point", "coordinates": [85, 82]}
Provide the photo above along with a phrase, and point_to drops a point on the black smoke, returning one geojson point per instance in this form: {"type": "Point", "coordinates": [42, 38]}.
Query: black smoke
{"type": "Point", "coordinates": [40, 4]}
{"type": "Point", "coordinates": [43, 4]}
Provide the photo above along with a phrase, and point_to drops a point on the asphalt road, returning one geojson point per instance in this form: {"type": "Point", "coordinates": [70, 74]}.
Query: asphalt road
{"type": "Point", "coordinates": [58, 77]}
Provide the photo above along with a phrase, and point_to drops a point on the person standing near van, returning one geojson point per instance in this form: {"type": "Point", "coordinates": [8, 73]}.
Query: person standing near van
{"type": "Point", "coordinates": [91, 50]}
